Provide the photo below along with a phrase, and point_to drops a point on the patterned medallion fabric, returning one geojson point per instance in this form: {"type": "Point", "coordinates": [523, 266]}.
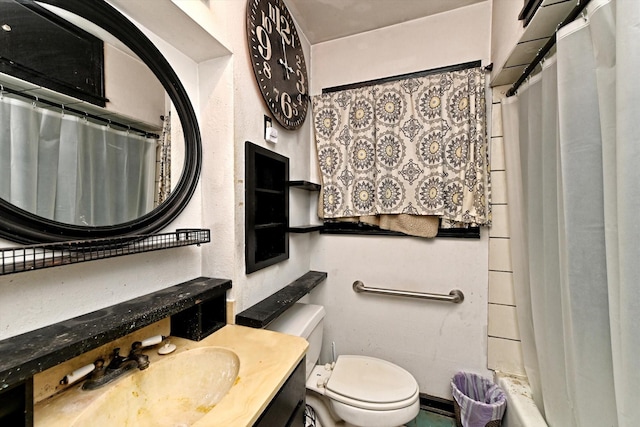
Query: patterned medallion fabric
{"type": "Point", "coordinates": [416, 146]}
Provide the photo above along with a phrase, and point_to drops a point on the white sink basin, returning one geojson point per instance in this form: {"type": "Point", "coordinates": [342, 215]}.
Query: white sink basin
{"type": "Point", "coordinates": [175, 391]}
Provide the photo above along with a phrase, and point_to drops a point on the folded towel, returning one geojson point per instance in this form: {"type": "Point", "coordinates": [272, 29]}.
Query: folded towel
{"type": "Point", "coordinates": [413, 225]}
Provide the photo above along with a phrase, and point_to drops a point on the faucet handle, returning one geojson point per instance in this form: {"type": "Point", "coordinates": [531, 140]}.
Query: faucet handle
{"type": "Point", "coordinates": [137, 355]}
{"type": "Point", "coordinates": [99, 368]}
{"type": "Point", "coordinates": [137, 346]}
{"type": "Point", "coordinates": [156, 339]}
{"type": "Point", "coordinates": [116, 359]}
{"type": "Point", "coordinates": [78, 374]}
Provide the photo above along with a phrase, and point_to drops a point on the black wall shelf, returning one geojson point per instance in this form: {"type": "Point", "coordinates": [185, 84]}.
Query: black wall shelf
{"type": "Point", "coordinates": [262, 313]}
{"type": "Point", "coordinates": [305, 185]}
{"type": "Point", "coordinates": [36, 257]}
{"type": "Point", "coordinates": [308, 186]}
{"type": "Point", "coordinates": [306, 228]}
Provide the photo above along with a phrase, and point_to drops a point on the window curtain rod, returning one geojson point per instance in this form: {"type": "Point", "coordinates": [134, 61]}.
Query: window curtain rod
{"type": "Point", "coordinates": [64, 109]}
{"type": "Point", "coordinates": [448, 68]}
{"type": "Point", "coordinates": [575, 12]}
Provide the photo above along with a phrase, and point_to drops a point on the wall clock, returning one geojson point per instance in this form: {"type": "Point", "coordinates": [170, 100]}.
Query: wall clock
{"type": "Point", "coordinates": [278, 61]}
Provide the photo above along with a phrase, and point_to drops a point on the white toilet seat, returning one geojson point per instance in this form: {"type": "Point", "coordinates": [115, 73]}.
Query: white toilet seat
{"type": "Point", "coordinates": [389, 406]}
{"type": "Point", "coordinates": [366, 383]}
{"type": "Point", "coordinates": [371, 383]}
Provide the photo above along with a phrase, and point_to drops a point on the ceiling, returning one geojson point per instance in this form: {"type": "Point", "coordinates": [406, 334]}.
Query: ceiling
{"type": "Point", "coordinates": [324, 20]}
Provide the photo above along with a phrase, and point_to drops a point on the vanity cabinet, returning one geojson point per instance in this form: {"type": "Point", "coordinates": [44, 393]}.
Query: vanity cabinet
{"type": "Point", "coordinates": [197, 309]}
{"type": "Point", "coordinates": [16, 403]}
{"type": "Point", "coordinates": [287, 408]}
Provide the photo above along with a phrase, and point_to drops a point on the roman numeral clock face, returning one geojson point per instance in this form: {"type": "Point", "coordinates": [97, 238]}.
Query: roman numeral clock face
{"type": "Point", "coordinates": [278, 61]}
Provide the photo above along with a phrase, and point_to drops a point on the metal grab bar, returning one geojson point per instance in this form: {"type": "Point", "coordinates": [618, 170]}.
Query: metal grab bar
{"type": "Point", "coordinates": [455, 296]}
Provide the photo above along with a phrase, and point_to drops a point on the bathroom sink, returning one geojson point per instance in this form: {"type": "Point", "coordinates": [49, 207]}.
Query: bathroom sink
{"type": "Point", "coordinates": [174, 391]}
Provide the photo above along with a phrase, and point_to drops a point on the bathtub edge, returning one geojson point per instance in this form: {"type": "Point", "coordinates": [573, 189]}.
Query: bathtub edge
{"type": "Point", "coordinates": [521, 409]}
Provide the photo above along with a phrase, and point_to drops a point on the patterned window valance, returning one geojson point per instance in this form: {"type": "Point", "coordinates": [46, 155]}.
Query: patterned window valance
{"type": "Point", "coordinates": [416, 146]}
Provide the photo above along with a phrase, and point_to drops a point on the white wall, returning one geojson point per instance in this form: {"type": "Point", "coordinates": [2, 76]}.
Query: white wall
{"type": "Point", "coordinates": [430, 339]}
{"type": "Point", "coordinates": [506, 30]}
{"type": "Point", "coordinates": [230, 111]}
{"type": "Point", "coordinates": [133, 91]}
{"type": "Point", "coordinates": [248, 121]}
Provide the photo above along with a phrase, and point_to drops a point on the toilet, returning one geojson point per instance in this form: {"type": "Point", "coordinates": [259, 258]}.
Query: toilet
{"type": "Point", "coordinates": [353, 391]}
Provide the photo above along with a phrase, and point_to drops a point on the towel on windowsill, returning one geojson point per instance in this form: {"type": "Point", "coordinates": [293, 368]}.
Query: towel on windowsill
{"type": "Point", "coordinates": [413, 225]}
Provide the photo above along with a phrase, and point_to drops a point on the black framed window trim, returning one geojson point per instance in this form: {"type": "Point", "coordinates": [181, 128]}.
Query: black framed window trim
{"type": "Point", "coordinates": [49, 51]}
{"type": "Point", "coordinates": [445, 69]}
{"type": "Point", "coordinates": [530, 8]}
{"type": "Point", "coordinates": [359, 228]}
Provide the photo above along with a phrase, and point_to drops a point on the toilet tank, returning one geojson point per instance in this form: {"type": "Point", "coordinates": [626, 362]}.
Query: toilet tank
{"type": "Point", "coordinates": [306, 321]}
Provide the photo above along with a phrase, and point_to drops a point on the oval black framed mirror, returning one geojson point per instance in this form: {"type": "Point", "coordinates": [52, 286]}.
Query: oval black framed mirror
{"type": "Point", "coordinates": [22, 226]}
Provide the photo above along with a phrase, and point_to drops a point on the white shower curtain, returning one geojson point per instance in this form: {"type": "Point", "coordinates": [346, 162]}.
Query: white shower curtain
{"type": "Point", "coordinates": [64, 168]}
{"type": "Point", "coordinates": [573, 172]}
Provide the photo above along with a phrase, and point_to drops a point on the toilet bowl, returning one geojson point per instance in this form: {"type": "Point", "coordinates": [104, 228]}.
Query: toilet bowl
{"type": "Point", "coordinates": [354, 391]}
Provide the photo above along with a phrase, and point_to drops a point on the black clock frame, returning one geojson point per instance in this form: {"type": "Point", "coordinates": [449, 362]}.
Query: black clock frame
{"type": "Point", "coordinates": [270, 53]}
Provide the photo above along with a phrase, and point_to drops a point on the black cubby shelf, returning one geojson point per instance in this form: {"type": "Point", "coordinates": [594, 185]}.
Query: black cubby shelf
{"type": "Point", "coordinates": [266, 207]}
{"type": "Point", "coordinates": [304, 185]}
{"type": "Point", "coordinates": [269, 225]}
{"type": "Point", "coordinates": [268, 191]}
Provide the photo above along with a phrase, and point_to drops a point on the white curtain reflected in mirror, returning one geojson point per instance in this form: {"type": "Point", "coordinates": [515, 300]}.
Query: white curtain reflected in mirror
{"type": "Point", "coordinates": [67, 169]}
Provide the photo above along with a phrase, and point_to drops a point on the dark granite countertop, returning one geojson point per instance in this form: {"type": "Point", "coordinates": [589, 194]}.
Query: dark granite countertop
{"type": "Point", "coordinates": [262, 313]}
{"type": "Point", "coordinates": [24, 355]}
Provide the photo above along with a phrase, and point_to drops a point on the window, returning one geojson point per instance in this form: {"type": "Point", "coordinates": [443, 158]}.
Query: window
{"type": "Point", "coordinates": [41, 48]}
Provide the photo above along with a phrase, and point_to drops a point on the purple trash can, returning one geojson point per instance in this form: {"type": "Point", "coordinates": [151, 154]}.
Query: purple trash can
{"type": "Point", "coordinates": [477, 401]}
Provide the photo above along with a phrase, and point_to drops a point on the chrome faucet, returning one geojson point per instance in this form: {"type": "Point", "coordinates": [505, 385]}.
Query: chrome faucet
{"type": "Point", "coordinates": [118, 366]}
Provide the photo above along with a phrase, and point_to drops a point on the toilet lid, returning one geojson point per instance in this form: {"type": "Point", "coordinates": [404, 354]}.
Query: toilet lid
{"type": "Point", "coordinates": [370, 381]}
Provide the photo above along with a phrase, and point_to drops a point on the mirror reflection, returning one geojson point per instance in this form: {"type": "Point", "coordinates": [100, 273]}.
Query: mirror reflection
{"type": "Point", "coordinates": [96, 154]}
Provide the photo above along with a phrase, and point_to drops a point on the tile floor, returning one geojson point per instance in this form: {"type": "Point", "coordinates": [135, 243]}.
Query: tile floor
{"type": "Point", "coordinates": [430, 419]}
{"type": "Point", "coordinates": [424, 419]}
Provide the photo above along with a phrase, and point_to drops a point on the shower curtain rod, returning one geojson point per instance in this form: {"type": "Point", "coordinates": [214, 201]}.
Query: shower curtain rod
{"type": "Point", "coordinates": [575, 12]}
{"type": "Point", "coordinates": [77, 112]}
{"type": "Point", "coordinates": [456, 67]}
